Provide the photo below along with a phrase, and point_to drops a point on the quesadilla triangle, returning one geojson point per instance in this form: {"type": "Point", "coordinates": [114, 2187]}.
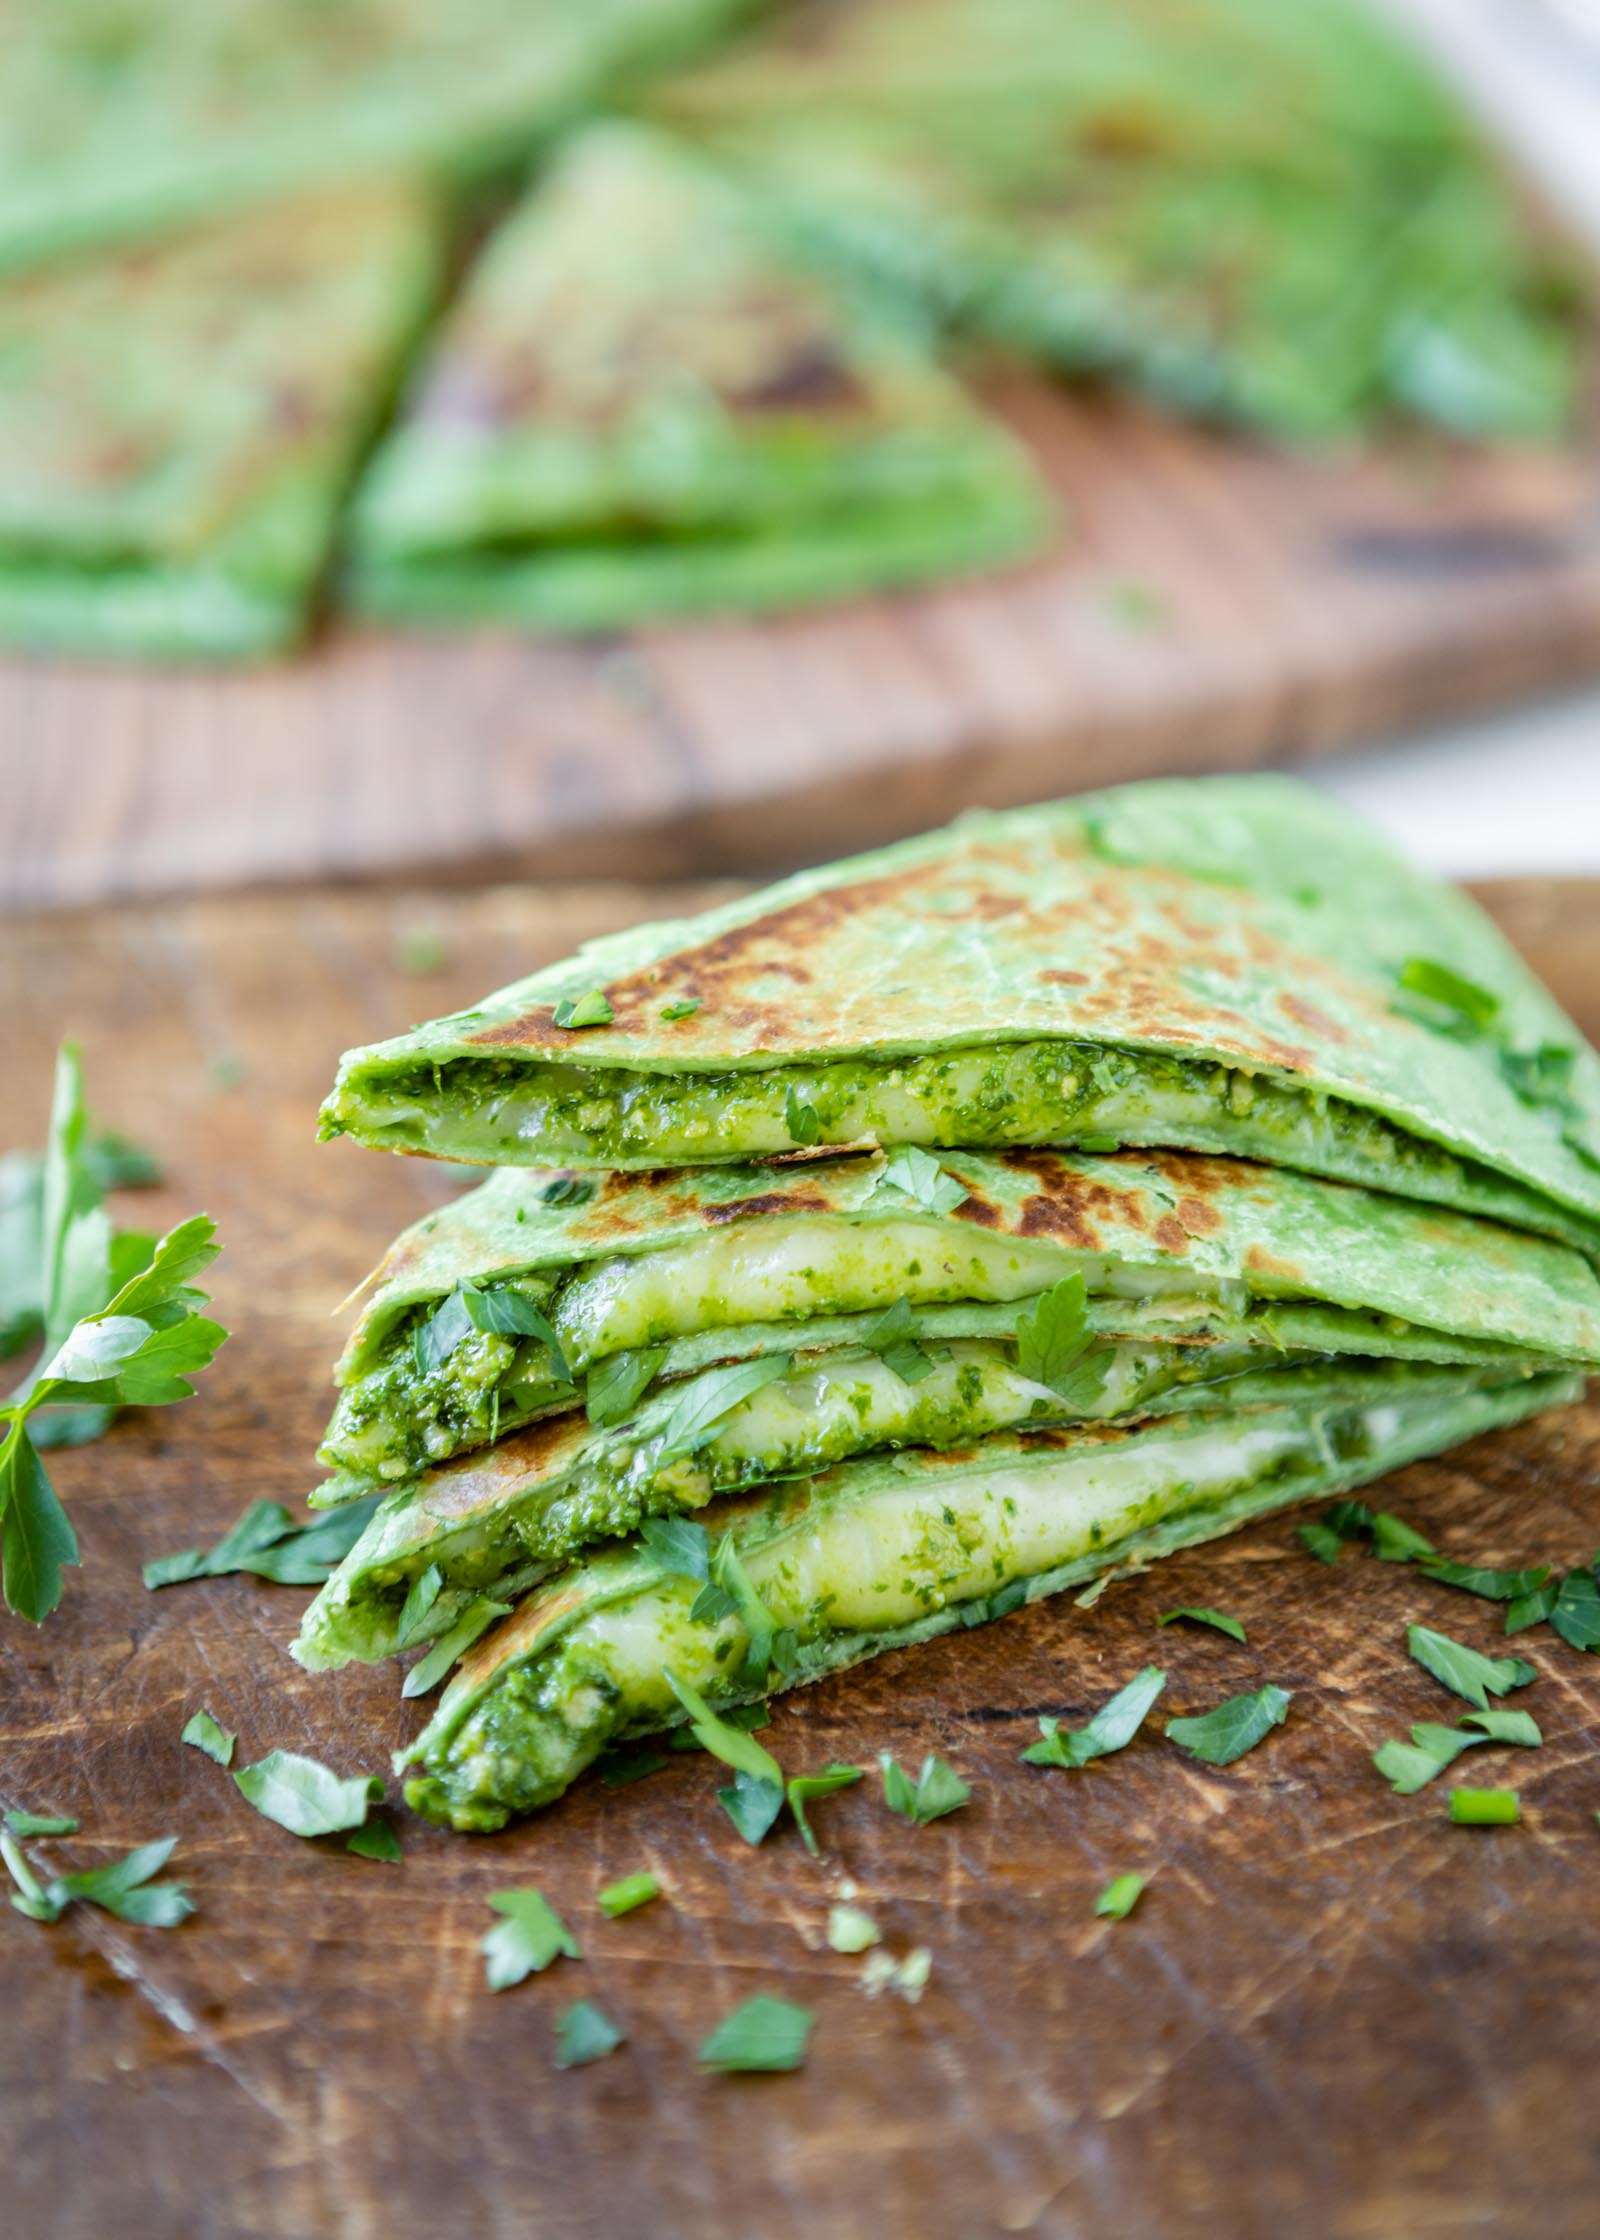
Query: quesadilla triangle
{"type": "Point", "coordinates": [645, 403]}
{"type": "Point", "coordinates": [1231, 965]}
{"type": "Point", "coordinates": [178, 423]}
{"type": "Point", "coordinates": [117, 122]}
{"type": "Point", "coordinates": [1266, 214]}
{"type": "Point", "coordinates": [878, 1554]}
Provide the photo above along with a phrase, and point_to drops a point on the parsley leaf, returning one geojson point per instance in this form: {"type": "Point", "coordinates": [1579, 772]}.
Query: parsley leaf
{"type": "Point", "coordinates": [267, 1543]}
{"type": "Point", "coordinates": [1053, 1333]}
{"type": "Point", "coordinates": [619, 1769]}
{"type": "Point", "coordinates": [437, 1338]}
{"type": "Point", "coordinates": [508, 1312]}
{"type": "Point", "coordinates": [1322, 1540]}
{"type": "Point", "coordinates": [626, 1896]}
{"type": "Point", "coordinates": [938, 1789]}
{"type": "Point", "coordinates": [762, 2035]}
{"type": "Point", "coordinates": [125, 1887]}
{"type": "Point", "coordinates": [305, 1797]}
{"type": "Point", "coordinates": [1575, 1613]}
{"type": "Point", "coordinates": [1113, 1726]}
{"type": "Point", "coordinates": [421, 1595]}
{"type": "Point", "coordinates": [729, 1743]}
{"type": "Point", "coordinates": [1542, 1076]}
{"type": "Point", "coordinates": [768, 1644]}
{"type": "Point", "coordinates": [531, 1935]}
{"type": "Point", "coordinates": [476, 1619]}
{"type": "Point", "coordinates": [681, 1007]}
{"type": "Point", "coordinates": [39, 1824]}
{"type": "Point", "coordinates": [893, 1338]}
{"type": "Point", "coordinates": [1466, 1671]}
{"type": "Point", "coordinates": [203, 1732]}
{"type": "Point", "coordinates": [376, 1840]}
{"type": "Point", "coordinates": [585, 2033]}
{"type": "Point", "coordinates": [1119, 1897]}
{"type": "Point", "coordinates": [1409, 1766]}
{"type": "Point", "coordinates": [613, 1386]}
{"type": "Point", "coordinates": [752, 1804]}
{"type": "Point", "coordinates": [1395, 1541]}
{"type": "Point", "coordinates": [568, 1190]}
{"type": "Point", "coordinates": [801, 1119]}
{"type": "Point", "coordinates": [679, 1545]}
{"type": "Point", "coordinates": [1494, 1586]}
{"type": "Point", "coordinates": [1532, 1609]}
{"type": "Point", "coordinates": [39, 1540]}
{"type": "Point", "coordinates": [918, 1175]}
{"type": "Point", "coordinates": [591, 1009]}
{"type": "Point", "coordinates": [1438, 997]}
{"type": "Point", "coordinates": [1218, 1737]}
{"type": "Point", "coordinates": [1204, 1617]}
{"type": "Point", "coordinates": [851, 1930]}
{"type": "Point", "coordinates": [708, 1398]}
{"type": "Point", "coordinates": [805, 1788]}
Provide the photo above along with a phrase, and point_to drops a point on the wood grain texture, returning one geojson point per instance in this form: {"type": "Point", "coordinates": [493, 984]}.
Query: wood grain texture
{"type": "Point", "coordinates": [1303, 604]}
{"type": "Point", "coordinates": [1333, 2014]}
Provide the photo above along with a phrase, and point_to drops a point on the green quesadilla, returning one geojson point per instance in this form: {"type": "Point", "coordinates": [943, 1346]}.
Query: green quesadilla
{"type": "Point", "coordinates": [178, 422]}
{"type": "Point", "coordinates": [118, 119]}
{"type": "Point", "coordinates": [1263, 212]}
{"type": "Point", "coordinates": [733, 1325]}
{"type": "Point", "coordinates": [1231, 965]}
{"type": "Point", "coordinates": [645, 404]}
{"type": "Point", "coordinates": [810, 1577]}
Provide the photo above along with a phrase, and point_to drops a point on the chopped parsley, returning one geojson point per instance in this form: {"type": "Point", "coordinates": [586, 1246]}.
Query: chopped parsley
{"type": "Point", "coordinates": [907, 1978]}
{"type": "Point", "coordinates": [1533, 1608]}
{"type": "Point", "coordinates": [850, 1930]}
{"type": "Point", "coordinates": [1201, 1616]}
{"type": "Point", "coordinates": [628, 1895]}
{"type": "Point", "coordinates": [1438, 997]}
{"type": "Point", "coordinates": [526, 1940]}
{"type": "Point", "coordinates": [585, 2033]}
{"type": "Point", "coordinates": [938, 1789]}
{"type": "Point", "coordinates": [694, 1419]}
{"type": "Point", "coordinates": [1485, 1808]}
{"type": "Point", "coordinates": [568, 1190]}
{"type": "Point", "coordinates": [753, 1803]}
{"type": "Point", "coordinates": [681, 1007]}
{"type": "Point", "coordinates": [203, 1733]}
{"type": "Point", "coordinates": [376, 1840]}
{"type": "Point", "coordinates": [1467, 1671]}
{"type": "Point", "coordinates": [678, 1544]}
{"type": "Point", "coordinates": [1053, 1333]}
{"type": "Point", "coordinates": [268, 1543]}
{"type": "Point", "coordinates": [918, 1175]}
{"type": "Point", "coordinates": [40, 1824]}
{"type": "Point", "coordinates": [1112, 1728]}
{"type": "Point", "coordinates": [805, 1788]}
{"type": "Point", "coordinates": [1119, 1897]}
{"type": "Point", "coordinates": [125, 1888]}
{"type": "Point", "coordinates": [764, 2034]}
{"type": "Point", "coordinates": [1409, 1766]}
{"type": "Point", "coordinates": [1218, 1737]}
{"type": "Point", "coordinates": [591, 1009]}
{"type": "Point", "coordinates": [729, 1743]}
{"type": "Point", "coordinates": [613, 1386]}
{"type": "Point", "coordinates": [893, 1338]}
{"type": "Point", "coordinates": [415, 1611]}
{"type": "Point", "coordinates": [475, 1620]}
{"type": "Point", "coordinates": [508, 1312]}
{"type": "Point", "coordinates": [801, 1119]}
{"type": "Point", "coordinates": [306, 1797]}
{"type": "Point", "coordinates": [1493, 1586]}
{"type": "Point", "coordinates": [1575, 1613]}
{"type": "Point", "coordinates": [620, 1769]}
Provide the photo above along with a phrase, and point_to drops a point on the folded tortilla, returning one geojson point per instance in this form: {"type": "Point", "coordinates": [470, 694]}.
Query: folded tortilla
{"type": "Point", "coordinates": [1265, 213]}
{"type": "Point", "coordinates": [1231, 965]}
{"type": "Point", "coordinates": [857, 1317]}
{"type": "Point", "coordinates": [885, 1552]}
{"type": "Point", "coordinates": [178, 423]}
{"type": "Point", "coordinates": [645, 403]}
{"type": "Point", "coordinates": [125, 120]}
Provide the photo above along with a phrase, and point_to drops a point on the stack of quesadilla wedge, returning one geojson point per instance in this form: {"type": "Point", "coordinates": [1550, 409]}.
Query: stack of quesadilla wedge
{"type": "Point", "coordinates": [1140, 1164]}
{"type": "Point", "coordinates": [646, 403]}
{"type": "Point", "coordinates": [1264, 213]}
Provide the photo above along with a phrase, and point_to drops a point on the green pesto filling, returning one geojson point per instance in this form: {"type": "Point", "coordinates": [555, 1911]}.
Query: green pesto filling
{"type": "Point", "coordinates": [523, 1111]}
{"type": "Point", "coordinates": [821, 1413]}
{"type": "Point", "coordinates": [871, 1558]}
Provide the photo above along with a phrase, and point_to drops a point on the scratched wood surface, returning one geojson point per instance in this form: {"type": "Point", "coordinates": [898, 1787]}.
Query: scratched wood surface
{"type": "Point", "coordinates": [1333, 2014]}
{"type": "Point", "coordinates": [1280, 607]}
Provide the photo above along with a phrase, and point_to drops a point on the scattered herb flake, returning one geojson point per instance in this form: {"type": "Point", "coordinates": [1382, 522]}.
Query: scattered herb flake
{"type": "Point", "coordinates": [1485, 1808]}
{"type": "Point", "coordinates": [474, 1621]}
{"type": "Point", "coordinates": [1112, 1728]}
{"type": "Point", "coordinates": [1119, 1897]}
{"type": "Point", "coordinates": [679, 1545]}
{"type": "Point", "coordinates": [1575, 1613]}
{"type": "Point", "coordinates": [531, 1935]}
{"type": "Point", "coordinates": [585, 2033]}
{"type": "Point", "coordinates": [1322, 1540]}
{"type": "Point", "coordinates": [376, 1840]}
{"type": "Point", "coordinates": [938, 1789]}
{"type": "Point", "coordinates": [729, 1743]}
{"type": "Point", "coordinates": [753, 1803]}
{"type": "Point", "coordinates": [125, 1887]}
{"type": "Point", "coordinates": [1395, 1541]}
{"type": "Point", "coordinates": [591, 1009]}
{"type": "Point", "coordinates": [894, 1339]}
{"type": "Point", "coordinates": [708, 1398]}
{"type": "Point", "coordinates": [1408, 1767]}
{"type": "Point", "coordinates": [805, 1788]}
{"type": "Point", "coordinates": [568, 1190]}
{"type": "Point", "coordinates": [626, 1896]}
{"type": "Point", "coordinates": [850, 1930]}
{"type": "Point", "coordinates": [305, 1797]}
{"type": "Point", "coordinates": [681, 1007]}
{"type": "Point", "coordinates": [1053, 1333]}
{"type": "Point", "coordinates": [801, 1119]}
{"type": "Point", "coordinates": [764, 2034]}
{"type": "Point", "coordinates": [423, 1593]}
{"type": "Point", "coordinates": [203, 1732]}
{"type": "Point", "coordinates": [1206, 1617]}
{"type": "Point", "coordinates": [613, 1387]}
{"type": "Point", "coordinates": [508, 1312]}
{"type": "Point", "coordinates": [1493, 1586]}
{"type": "Point", "coordinates": [1448, 1000]}
{"type": "Point", "coordinates": [907, 1978]}
{"type": "Point", "coordinates": [619, 1769]}
{"type": "Point", "coordinates": [1534, 1608]}
{"type": "Point", "coordinates": [1467, 1672]}
{"type": "Point", "coordinates": [918, 1175]}
{"type": "Point", "coordinates": [1218, 1737]}
{"type": "Point", "coordinates": [39, 1824]}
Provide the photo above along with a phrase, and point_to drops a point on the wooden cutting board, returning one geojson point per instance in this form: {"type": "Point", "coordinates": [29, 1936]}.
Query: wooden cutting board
{"type": "Point", "coordinates": [1333, 2014]}
{"type": "Point", "coordinates": [1207, 605]}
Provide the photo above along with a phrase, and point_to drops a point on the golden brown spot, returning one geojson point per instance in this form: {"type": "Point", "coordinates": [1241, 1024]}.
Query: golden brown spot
{"type": "Point", "coordinates": [770, 1202]}
{"type": "Point", "coordinates": [1307, 1015]}
{"type": "Point", "coordinates": [1066, 979]}
{"type": "Point", "coordinates": [1170, 1234]}
{"type": "Point", "coordinates": [1260, 1262]}
{"type": "Point", "coordinates": [1198, 1218]}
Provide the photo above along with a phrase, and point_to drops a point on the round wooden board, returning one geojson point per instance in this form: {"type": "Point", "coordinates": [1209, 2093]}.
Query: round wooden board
{"type": "Point", "coordinates": [1333, 2013]}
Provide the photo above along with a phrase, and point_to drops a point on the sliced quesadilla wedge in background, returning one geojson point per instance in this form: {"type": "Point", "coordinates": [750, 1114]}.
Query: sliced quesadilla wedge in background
{"type": "Point", "coordinates": [879, 1554]}
{"type": "Point", "coordinates": [645, 403]}
{"type": "Point", "coordinates": [116, 121]}
{"type": "Point", "coordinates": [1229, 964]}
{"type": "Point", "coordinates": [533, 1294]}
{"type": "Point", "coordinates": [178, 422]}
{"type": "Point", "coordinates": [1266, 214]}
{"type": "Point", "coordinates": [843, 1316]}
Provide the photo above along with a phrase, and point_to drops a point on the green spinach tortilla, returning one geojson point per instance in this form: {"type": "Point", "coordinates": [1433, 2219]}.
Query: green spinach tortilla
{"type": "Point", "coordinates": [645, 403]}
{"type": "Point", "coordinates": [1231, 965]}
